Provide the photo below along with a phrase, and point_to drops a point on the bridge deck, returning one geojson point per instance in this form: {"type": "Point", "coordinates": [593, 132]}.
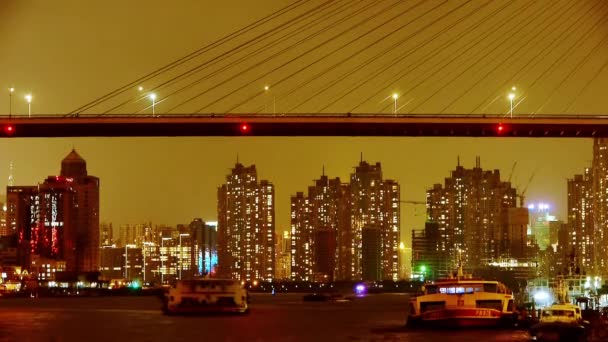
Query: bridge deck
{"type": "Point", "coordinates": [304, 125]}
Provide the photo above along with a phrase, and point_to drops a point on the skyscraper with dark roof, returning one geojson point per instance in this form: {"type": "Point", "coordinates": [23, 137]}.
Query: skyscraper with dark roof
{"type": "Point", "coordinates": [59, 219]}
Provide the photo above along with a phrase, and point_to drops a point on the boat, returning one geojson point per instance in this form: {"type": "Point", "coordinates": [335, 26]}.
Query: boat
{"type": "Point", "coordinates": [560, 322]}
{"type": "Point", "coordinates": [462, 301]}
{"type": "Point", "coordinates": [206, 295]}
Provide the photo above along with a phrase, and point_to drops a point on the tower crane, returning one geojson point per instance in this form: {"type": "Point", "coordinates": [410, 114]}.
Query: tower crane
{"type": "Point", "coordinates": [512, 169]}
{"type": "Point", "coordinates": [523, 192]}
{"type": "Point", "coordinates": [414, 203]}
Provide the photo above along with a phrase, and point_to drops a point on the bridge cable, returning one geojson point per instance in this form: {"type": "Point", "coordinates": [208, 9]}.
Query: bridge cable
{"type": "Point", "coordinates": [227, 53]}
{"type": "Point", "coordinates": [290, 47]}
{"type": "Point", "coordinates": [259, 50]}
{"type": "Point", "coordinates": [583, 61]}
{"type": "Point", "coordinates": [386, 51]}
{"type": "Point", "coordinates": [589, 82]}
{"type": "Point", "coordinates": [496, 49]}
{"type": "Point", "coordinates": [518, 57]}
{"type": "Point", "coordinates": [308, 51]}
{"type": "Point", "coordinates": [539, 57]}
{"type": "Point", "coordinates": [193, 54]}
{"type": "Point", "coordinates": [452, 57]}
{"type": "Point", "coordinates": [395, 61]}
{"type": "Point", "coordinates": [345, 45]}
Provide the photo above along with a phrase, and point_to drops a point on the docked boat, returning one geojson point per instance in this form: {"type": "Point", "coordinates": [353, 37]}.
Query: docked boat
{"type": "Point", "coordinates": [462, 301]}
{"type": "Point", "coordinates": [560, 322]}
{"type": "Point", "coordinates": [206, 296]}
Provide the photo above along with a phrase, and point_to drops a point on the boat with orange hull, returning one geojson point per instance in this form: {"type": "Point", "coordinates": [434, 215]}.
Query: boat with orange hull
{"type": "Point", "coordinates": [462, 301]}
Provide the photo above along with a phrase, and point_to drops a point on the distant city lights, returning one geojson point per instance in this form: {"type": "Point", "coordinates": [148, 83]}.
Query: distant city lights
{"type": "Point", "coordinates": [539, 206]}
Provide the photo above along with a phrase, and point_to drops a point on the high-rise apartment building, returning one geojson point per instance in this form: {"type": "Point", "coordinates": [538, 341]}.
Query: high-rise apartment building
{"type": "Point", "coordinates": [581, 221]}
{"type": "Point", "coordinates": [246, 224]}
{"type": "Point", "coordinates": [599, 176]}
{"type": "Point", "coordinates": [131, 234]}
{"type": "Point", "coordinates": [472, 213]}
{"type": "Point", "coordinates": [345, 209]}
{"type": "Point", "coordinates": [283, 256]}
{"type": "Point", "coordinates": [326, 208]}
{"type": "Point", "coordinates": [106, 234]}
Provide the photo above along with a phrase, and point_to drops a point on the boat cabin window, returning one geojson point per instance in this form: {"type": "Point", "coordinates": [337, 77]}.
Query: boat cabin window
{"type": "Point", "coordinates": [490, 288]}
{"type": "Point", "coordinates": [431, 289]}
{"type": "Point", "coordinates": [549, 313]}
{"type": "Point", "coordinates": [460, 289]}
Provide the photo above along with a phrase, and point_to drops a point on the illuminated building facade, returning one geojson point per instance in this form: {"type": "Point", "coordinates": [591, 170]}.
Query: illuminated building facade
{"type": "Point", "coordinates": [283, 256]}
{"type": "Point", "coordinates": [599, 175]}
{"type": "Point", "coordinates": [301, 244]}
{"type": "Point", "coordinates": [540, 224]}
{"type": "Point", "coordinates": [106, 237]}
{"type": "Point", "coordinates": [131, 234]}
{"type": "Point", "coordinates": [21, 203]}
{"type": "Point", "coordinates": [472, 213]}
{"type": "Point", "coordinates": [344, 209]}
{"type": "Point", "coordinates": [581, 230]}
{"type": "Point", "coordinates": [121, 263]}
{"type": "Point", "coordinates": [58, 219]}
{"type": "Point", "coordinates": [4, 228]}
{"type": "Point", "coordinates": [326, 208]}
{"type": "Point", "coordinates": [246, 226]}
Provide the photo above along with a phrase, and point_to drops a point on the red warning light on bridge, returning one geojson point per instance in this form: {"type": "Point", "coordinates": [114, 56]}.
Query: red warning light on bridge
{"type": "Point", "coordinates": [9, 129]}
{"type": "Point", "coordinates": [500, 128]}
{"type": "Point", "coordinates": [245, 128]}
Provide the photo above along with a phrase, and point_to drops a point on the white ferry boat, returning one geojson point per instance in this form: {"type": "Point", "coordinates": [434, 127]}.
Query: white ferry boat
{"type": "Point", "coordinates": [462, 302]}
{"type": "Point", "coordinates": [206, 296]}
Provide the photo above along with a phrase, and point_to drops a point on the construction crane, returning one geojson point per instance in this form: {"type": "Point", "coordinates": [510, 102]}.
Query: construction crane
{"type": "Point", "coordinates": [512, 169]}
{"type": "Point", "coordinates": [523, 192]}
{"type": "Point", "coordinates": [414, 203]}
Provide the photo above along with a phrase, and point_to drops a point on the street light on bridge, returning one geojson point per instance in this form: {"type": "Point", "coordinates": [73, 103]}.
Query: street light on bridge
{"type": "Point", "coordinates": [395, 97]}
{"type": "Point", "coordinates": [153, 98]}
{"type": "Point", "coordinates": [28, 98]}
{"type": "Point", "coordinates": [274, 102]}
{"type": "Point", "coordinates": [511, 98]}
{"type": "Point", "coordinates": [11, 90]}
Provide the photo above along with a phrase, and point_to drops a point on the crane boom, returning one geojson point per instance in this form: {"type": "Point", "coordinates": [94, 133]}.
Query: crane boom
{"type": "Point", "coordinates": [414, 202]}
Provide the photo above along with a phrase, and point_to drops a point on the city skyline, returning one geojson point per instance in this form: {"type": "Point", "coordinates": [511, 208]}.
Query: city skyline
{"type": "Point", "coordinates": [549, 179]}
{"type": "Point", "coordinates": [99, 58]}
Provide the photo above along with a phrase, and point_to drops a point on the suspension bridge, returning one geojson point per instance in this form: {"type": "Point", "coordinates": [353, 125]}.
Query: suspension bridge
{"type": "Point", "coordinates": [519, 68]}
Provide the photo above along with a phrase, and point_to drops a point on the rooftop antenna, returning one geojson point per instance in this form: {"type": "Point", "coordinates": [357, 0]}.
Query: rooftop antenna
{"type": "Point", "coordinates": [11, 179]}
{"type": "Point", "coordinates": [460, 272]}
{"type": "Point", "coordinates": [361, 157]}
{"type": "Point", "coordinates": [323, 173]}
{"type": "Point", "coordinates": [457, 160]}
{"type": "Point", "coordinates": [237, 157]}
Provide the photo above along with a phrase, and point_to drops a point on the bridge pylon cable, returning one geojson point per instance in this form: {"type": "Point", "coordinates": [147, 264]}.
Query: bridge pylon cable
{"type": "Point", "coordinates": [326, 14]}
{"type": "Point", "coordinates": [578, 66]}
{"type": "Point", "coordinates": [516, 57]}
{"type": "Point", "coordinates": [315, 48]}
{"type": "Point", "coordinates": [496, 47]}
{"type": "Point", "coordinates": [290, 47]}
{"type": "Point", "coordinates": [192, 55]}
{"type": "Point", "coordinates": [374, 57]}
{"type": "Point", "coordinates": [444, 62]}
{"type": "Point", "coordinates": [380, 39]}
{"type": "Point", "coordinates": [531, 64]}
{"type": "Point", "coordinates": [223, 55]}
{"type": "Point", "coordinates": [383, 67]}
